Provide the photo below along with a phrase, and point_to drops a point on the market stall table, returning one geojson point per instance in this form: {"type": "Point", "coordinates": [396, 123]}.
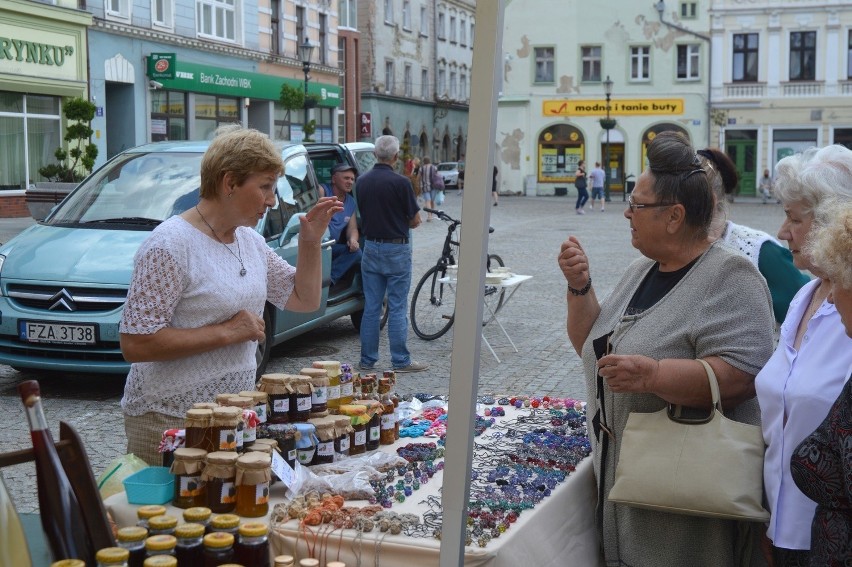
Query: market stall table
{"type": "Point", "coordinates": [558, 531]}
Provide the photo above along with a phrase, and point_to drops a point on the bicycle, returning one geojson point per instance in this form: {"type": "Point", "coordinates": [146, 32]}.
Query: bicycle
{"type": "Point", "coordinates": [433, 305]}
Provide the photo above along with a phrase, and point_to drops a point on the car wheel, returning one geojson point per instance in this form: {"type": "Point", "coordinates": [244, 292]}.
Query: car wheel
{"type": "Point", "coordinates": [358, 315]}
{"type": "Point", "coordinates": [264, 349]}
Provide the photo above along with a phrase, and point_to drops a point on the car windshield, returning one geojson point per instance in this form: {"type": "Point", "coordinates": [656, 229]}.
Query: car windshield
{"type": "Point", "coordinates": [366, 159]}
{"type": "Point", "coordinates": [446, 167]}
{"type": "Point", "coordinates": [136, 188]}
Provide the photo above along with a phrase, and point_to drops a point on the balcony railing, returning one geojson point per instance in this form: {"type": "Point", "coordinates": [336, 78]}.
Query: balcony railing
{"type": "Point", "coordinates": [745, 91]}
{"type": "Point", "coordinates": [803, 89]}
{"type": "Point", "coordinates": [846, 88]}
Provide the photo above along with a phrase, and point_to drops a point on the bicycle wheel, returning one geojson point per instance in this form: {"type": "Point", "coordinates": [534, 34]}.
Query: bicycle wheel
{"type": "Point", "coordinates": [433, 305]}
{"type": "Point", "coordinates": [493, 296]}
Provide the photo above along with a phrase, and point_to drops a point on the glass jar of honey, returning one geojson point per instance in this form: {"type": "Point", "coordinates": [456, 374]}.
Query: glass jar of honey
{"type": "Point", "coordinates": [342, 432]}
{"type": "Point", "coordinates": [228, 523]}
{"type": "Point", "coordinates": [198, 514]}
{"type": "Point", "coordinates": [253, 476]}
{"type": "Point", "coordinates": [199, 432]}
{"type": "Point", "coordinates": [300, 398]}
{"type": "Point", "coordinates": [319, 390]}
{"type": "Point", "coordinates": [218, 549]}
{"type": "Point", "coordinates": [162, 525]}
{"type": "Point", "coordinates": [220, 475]}
{"type": "Point", "coordinates": [324, 453]}
{"type": "Point", "coordinates": [374, 410]}
{"type": "Point", "coordinates": [187, 467]}
{"type": "Point", "coordinates": [278, 390]}
{"type": "Point", "coordinates": [247, 426]}
{"type": "Point", "coordinates": [346, 385]}
{"type": "Point", "coordinates": [260, 399]}
{"type": "Point", "coordinates": [359, 419]}
{"type": "Point", "coordinates": [388, 419]}
{"type": "Point", "coordinates": [145, 513]}
{"type": "Point", "coordinates": [286, 435]}
{"type": "Point", "coordinates": [132, 538]}
{"type": "Point", "coordinates": [332, 369]}
{"type": "Point", "coordinates": [226, 421]}
{"type": "Point", "coordinates": [306, 445]}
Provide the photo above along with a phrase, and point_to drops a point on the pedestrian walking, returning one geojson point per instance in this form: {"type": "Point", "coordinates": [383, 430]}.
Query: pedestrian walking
{"type": "Point", "coordinates": [427, 192]}
{"type": "Point", "coordinates": [766, 187]}
{"type": "Point", "coordinates": [580, 184]}
{"type": "Point", "coordinates": [597, 176]}
{"type": "Point", "coordinates": [388, 210]}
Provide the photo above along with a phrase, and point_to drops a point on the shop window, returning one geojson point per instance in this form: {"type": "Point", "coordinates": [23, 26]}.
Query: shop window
{"type": "Point", "coordinates": [745, 57]}
{"type": "Point", "coordinates": [560, 148]}
{"type": "Point", "coordinates": [211, 112]}
{"type": "Point", "coordinates": [640, 63]}
{"type": "Point", "coordinates": [843, 136]}
{"type": "Point", "coordinates": [162, 14]}
{"type": "Point", "coordinates": [544, 65]}
{"type": "Point", "coordinates": [803, 56]}
{"type": "Point", "coordinates": [591, 59]}
{"type": "Point", "coordinates": [788, 142]}
{"type": "Point", "coordinates": [117, 10]}
{"type": "Point", "coordinates": [217, 19]}
{"type": "Point", "coordinates": [687, 61]}
{"type": "Point", "coordinates": [30, 132]}
{"type": "Point", "coordinates": [168, 116]}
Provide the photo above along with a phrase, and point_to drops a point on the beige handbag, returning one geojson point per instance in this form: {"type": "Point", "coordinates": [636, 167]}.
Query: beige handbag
{"type": "Point", "coordinates": [711, 467]}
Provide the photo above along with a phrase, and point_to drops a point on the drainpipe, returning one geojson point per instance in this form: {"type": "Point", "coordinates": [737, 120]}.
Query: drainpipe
{"type": "Point", "coordinates": [661, 8]}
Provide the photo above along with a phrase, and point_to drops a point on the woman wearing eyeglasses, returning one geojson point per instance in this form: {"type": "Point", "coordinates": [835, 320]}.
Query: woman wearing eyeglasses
{"type": "Point", "coordinates": [686, 298]}
{"type": "Point", "coordinates": [811, 364]}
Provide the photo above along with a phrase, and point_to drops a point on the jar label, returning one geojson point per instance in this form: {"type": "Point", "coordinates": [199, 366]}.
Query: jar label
{"type": "Point", "coordinates": [228, 493]}
{"type": "Point", "coordinates": [319, 396]}
{"type": "Point", "coordinates": [388, 421]}
{"type": "Point", "coordinates": [249, 435]}
{"type": "Point", "coordinates": [334, 392]}
{"type": "Point", "coordinates": [261, 493]}
{"type": "Point", "coordinates": [303, 403]}
{"type": "Point", "coordinates": [346, 390]}
{"type": "Point", "coordinates": [190, 486]}
{"type": "Point", "coordinates": [281, 405]}
{"type": "Point", "coordinates": [374, 434]}
{"type": "Point", "coordinates": [260, 410]}
{"type": "Point", "coordinates": [344, 443]}
{"type": "Point", "coordinates": [325, 449]}
{"type": "Point", "coordinates": [240, 429]}
{"type": "Point", "coordinates": [361, 438]}
{"type": "Point", "coordinates": [306, 455]}
{"type": "Point", "coordinates": [228, 439]}
{"type": "Point", "coordinates": [291, 455]}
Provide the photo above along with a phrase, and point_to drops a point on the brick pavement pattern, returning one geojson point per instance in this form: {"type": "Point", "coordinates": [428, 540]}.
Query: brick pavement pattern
{"type": "Point", "coordinates": [528, 232]}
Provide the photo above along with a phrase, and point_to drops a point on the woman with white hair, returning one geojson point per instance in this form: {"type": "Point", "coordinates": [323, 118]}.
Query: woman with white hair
{"type": "Point", "coordinates": [822, 463]}
{"type": "Point", "coordinates": [810, 366]}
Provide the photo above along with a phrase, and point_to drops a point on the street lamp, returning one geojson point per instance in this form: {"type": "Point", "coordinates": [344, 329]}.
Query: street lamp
{"type": "Point", "coordinates": [306, 50]}
{"type": "Point", "coordinates": [607, 124]}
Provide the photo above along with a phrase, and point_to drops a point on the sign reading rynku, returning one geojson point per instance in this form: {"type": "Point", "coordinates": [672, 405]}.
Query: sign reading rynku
{"type": "Point", "coordinates": [34, 52]}
{"type": "Point", "coordinates": [621, 107]}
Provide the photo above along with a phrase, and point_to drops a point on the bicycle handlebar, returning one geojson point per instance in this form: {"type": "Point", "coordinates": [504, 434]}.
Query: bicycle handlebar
{"type": "Point", "coordinates": [445, 217]}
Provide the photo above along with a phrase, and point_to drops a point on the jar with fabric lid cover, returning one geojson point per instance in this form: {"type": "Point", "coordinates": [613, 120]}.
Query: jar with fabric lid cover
{"type": "Point", "coordinates": [300, 398]}
{"type": "Point", "coordinates": [332, 368]}
{"type": "Point", "coordinates": [189, 488]}
{"type": "Point", "coordinates": [253, 476]}
{"type": "Point", "coordinates": [324, 453]}
{"type": "Point", "coordinates": [220, 475]}
{"type": "Point", "coordinates": [359, 418]}
{"type": "Point", "coordinates": [205, 405]}
{"type": "Point", "coordinates": [244, 404]}
{"type": "Point", "coordinates": [306, 445]}
{"type": "Point", "coordinates": [277, 388]}
{"type": "Point", "coordinates": [342, 432]}
{"type": "Point", "coordinates": [226, 421]}
{"type": "Point", "coordinates": [374, 410]}
{"type": "Point", "coordinates": [347, 385]}
{"type": "Point", "coordinates": [199, 429]}
{"type": "Point", "coordinates": [286, 435]}
{"type": "Point", "coordinates": [261, 400]}
{"type": "Point", "coordinates": [222, 398]}
{"type": "Point", "coordinates": [319, 390]}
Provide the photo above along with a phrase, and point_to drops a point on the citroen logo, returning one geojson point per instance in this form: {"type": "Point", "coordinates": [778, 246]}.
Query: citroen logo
{"type": "Point", "coordinates": [63, 300]}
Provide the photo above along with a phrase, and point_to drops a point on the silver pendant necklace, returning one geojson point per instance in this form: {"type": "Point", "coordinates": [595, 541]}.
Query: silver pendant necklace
{"type": "Point", "coordinates": [238, 255]}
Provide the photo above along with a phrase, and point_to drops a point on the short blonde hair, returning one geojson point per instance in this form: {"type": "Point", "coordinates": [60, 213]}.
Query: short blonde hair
{"type": "Point", "coordinates": [240, 151]}
{"type": "Point", "coordinates": [830, 243]}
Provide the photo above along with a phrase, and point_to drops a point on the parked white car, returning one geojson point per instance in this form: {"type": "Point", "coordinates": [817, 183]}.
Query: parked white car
{"type": "Point", "coordinates": [449, 170]}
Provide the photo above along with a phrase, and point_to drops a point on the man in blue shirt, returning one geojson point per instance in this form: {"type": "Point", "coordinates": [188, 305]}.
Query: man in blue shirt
{"type": "Point", "coordinates": [343, 227]}
{"type": "Point", "coordinates": [388, 210]}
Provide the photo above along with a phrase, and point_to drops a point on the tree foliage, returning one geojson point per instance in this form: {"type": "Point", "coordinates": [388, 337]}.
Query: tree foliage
{"type": "Point", "coordinates": [75, 163]}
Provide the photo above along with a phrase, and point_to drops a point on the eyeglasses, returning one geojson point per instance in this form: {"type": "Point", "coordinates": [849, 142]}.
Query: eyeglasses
{"type": "Point", "coordinates": [634, 205]}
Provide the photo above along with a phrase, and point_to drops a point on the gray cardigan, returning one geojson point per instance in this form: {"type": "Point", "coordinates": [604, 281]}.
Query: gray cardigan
{"type": "Point", "coordinates": [722, 308]}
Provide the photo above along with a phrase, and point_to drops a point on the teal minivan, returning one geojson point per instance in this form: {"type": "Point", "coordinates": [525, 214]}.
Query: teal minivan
{"type": "Point", "coordinates": [63, 281]}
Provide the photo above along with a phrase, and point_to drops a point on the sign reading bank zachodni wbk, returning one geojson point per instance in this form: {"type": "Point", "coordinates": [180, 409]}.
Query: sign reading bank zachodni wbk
{"type": "Point", "coordinates": [231, 82]}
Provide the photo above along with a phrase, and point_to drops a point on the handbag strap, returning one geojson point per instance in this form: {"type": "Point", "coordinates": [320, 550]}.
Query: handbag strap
{"type": "Point", "coordinates": [675, 412]}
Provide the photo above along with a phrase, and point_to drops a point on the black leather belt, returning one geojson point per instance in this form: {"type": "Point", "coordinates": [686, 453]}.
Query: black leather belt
{"type": "Point", "coordinates": [388, 240]}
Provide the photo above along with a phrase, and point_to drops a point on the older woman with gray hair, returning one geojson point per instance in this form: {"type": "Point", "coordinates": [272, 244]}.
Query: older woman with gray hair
{"type": "Point", "coordinates": [810, 366]}
{"type": "Point", "coordinates": [821, 463]}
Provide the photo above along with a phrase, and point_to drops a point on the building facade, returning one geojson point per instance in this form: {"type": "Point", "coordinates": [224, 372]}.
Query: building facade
{"type": "Point", "coordinates": [553, 89]}
{"type": "Point", "coordinates": [43, 58]}
{"type": "Point", "coordinates": [784, 82]}
{"type": "Point", "coordinates": [415, 73]}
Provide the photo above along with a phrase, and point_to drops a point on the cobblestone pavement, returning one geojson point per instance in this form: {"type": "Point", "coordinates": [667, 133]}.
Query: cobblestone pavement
{"type": "Point", "coordinates": [528, 233]}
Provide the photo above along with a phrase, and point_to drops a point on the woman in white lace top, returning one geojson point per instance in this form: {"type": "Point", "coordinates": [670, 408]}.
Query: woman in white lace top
{"type": "Point", "coordinates": [194, 311]}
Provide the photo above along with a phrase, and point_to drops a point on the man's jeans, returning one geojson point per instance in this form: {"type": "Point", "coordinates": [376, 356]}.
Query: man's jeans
{"type": "Point", "coordinates": [342, 260]}
{"type": "Point", "coordinates": [385, 268]}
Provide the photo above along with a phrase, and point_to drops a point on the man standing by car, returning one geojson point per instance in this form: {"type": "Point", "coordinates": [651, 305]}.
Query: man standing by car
{"type": "Point", "coordinates": [343, 227]}
{"type": "Point", "coordinates": [388, 210]}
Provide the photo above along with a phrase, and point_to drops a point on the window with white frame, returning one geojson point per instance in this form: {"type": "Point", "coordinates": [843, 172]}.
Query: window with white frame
{"type": "Point", "coordinates": [687, 61]}
{"type": "Point", "coordinates": [388, 11]}
{"type": "Point", "coordinates": [849, 56]}
{"type": "Point", "coordinates": [453, 29]}
{"type": "Point", "coordinates": [591, 59]}
{"type": "Point", "coordinates": [301, 25]}
{"type": "Point", "coordinates": [217, 19]}
{"type": "Point", "coordinates": [463, 86]}
{"type": "Point", "coordinates": [688, 10]}
{"type": "Point", "coordinates": [408, 80]}
{"type": "Point", "coordinates": [640, 63]}
{"type": "Point", "coordinates": [471, 34]}
{"type": "Point", "coordinates": [406, 14]}
{"type": "Point", "coordinates": [803, 56]}
{"type": "Point", "coordinates": [544, 72]}
{"type": "Point", "coordinates": [745, 57]}
{"type": "Point", "coordinates": [424, 83]}
{"type": "Point", "coordinates": [453, 85]}
{"type": "Point", "coordinates": [424, 20]}
{"type": "Point", "coordinates": [389, 76]}
{"type": "Point", "coordinates": [462, 31]}
{"type": "Point", "coordinates": [442, 20]}
{"type": "Point", "coordinates": [442, 82]}
{"type": "Point", "coordinates": [323, 39]}
{"type": "Point", "coordinates": [162, 13]}
{"type": "Point", "coordinates": [118, 9]}
{"type": "Point", "coordinates": [348, 14]}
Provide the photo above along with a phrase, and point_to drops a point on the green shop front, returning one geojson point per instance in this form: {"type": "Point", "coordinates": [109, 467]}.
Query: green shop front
{"type": "Point", "coordinates": [42, 60]}
{"type": "Point", "coordinates": [188, 101]}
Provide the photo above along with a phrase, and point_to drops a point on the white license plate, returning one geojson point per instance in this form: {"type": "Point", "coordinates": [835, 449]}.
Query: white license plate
{"type": "Point", "coordinates": [57, 333]}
